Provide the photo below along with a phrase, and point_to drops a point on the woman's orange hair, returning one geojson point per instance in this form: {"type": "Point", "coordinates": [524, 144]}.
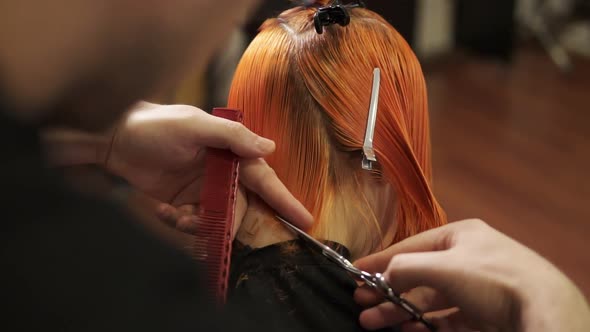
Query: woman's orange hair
{"type": "Point", "coordinates": [310, 93]}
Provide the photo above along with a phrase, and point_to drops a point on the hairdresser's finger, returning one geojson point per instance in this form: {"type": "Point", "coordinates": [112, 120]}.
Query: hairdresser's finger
{"type": "Point", "coordinates": [167, 214]}
{"type": "Point", "coordinates": [449, 321]}
{"type": "Point", "coordinates": [190, 194]}
{"type": "Point", "coordinates": [431, 240]}
{"type": "Point", "coordinates": [389, 314]}
{"type": "Point", "coordinates": [187, 210]}
{"type": "Point", "coordinates": [226, 134]}
{"type": "Point", "coordinates": [427, 299]}
{"type": "Point", "coordinates": [182, 218]}
{"type": "Point", "coordinates": [458, 322]}
{"type": "Point", "coordinates": [429, 269]}
{"type": "Point", "coordinates": [367, 296]}
{"type": "Point", "coordinates": [380, 316]}
{"type": "Point", "coordinates": [257, 176]}
{"type": "Point", "coordinates": [188, 224]}
{"type": "Point", "coordinates": [423, 297]}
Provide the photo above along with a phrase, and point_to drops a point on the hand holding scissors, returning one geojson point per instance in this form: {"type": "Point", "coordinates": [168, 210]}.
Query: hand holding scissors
{"type": "Point", "coordinates": [376, 280]}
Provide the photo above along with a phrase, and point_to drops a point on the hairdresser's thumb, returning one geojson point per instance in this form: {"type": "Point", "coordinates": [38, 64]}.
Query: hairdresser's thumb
{"type": "Point", "coordinates": [405, 271]}
{"type": "Point", "coordinates": [221, 133]}
{"type": "Point", "coordinates": [247, 144]}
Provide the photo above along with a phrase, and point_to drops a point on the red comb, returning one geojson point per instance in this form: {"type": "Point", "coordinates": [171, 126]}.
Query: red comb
{"type": "Point", "coordinates": [216, 214]}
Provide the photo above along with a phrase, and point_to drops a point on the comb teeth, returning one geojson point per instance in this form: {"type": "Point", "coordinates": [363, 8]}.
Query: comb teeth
{"type": "Point", "coordinates": [212, 246]}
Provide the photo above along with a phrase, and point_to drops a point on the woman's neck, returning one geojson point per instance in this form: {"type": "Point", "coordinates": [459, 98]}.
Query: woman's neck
{"type": "Point", "coordinates": [260, 228]}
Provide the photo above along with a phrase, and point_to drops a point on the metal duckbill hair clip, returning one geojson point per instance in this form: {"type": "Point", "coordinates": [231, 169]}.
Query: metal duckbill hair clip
{"type": "Point", "coordinates": [336, 13]}
{"type": "Point", "coordinates": [368, 153]}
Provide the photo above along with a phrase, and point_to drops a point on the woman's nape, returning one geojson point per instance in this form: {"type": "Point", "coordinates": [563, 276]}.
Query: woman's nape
{"type": "Point", "coordinates": [310, 93]}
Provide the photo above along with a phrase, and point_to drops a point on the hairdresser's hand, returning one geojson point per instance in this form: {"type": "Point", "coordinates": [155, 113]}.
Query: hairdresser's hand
{"type": "Point", "coordinates": [159, 150]}
{"type": "Point", "coordinates": [487, 280]}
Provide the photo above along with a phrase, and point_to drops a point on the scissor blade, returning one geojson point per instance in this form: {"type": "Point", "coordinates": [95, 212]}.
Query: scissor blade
{"type": "Point", "coordinates": [326, 250]}
{"type": "Point", "coordinates": [301, 233]}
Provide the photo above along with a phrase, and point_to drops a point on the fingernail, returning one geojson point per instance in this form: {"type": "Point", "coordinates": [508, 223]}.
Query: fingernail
{"type": "Point", "coordinates": [265, 145]}
{"type": "Point", "coordinates": [164, 210]}
{"type": "Point", "coordinates": [190, 219]}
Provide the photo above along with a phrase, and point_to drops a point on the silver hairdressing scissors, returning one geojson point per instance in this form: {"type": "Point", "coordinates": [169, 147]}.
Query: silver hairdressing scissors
{"type": "Point", "coordinates": [376, 280]}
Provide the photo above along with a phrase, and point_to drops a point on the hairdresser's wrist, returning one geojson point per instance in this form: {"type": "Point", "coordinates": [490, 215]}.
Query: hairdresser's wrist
{"type": "Point", "coordinates": [105, 156]}
{"type": "Point", "coordinates": [68, 147]}
{"type": "Point", "coordinates": [551, 302]}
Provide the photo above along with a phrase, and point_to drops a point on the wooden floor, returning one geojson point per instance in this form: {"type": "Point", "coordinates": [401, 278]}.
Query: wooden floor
{"type": "Point", "coordinates": [511, 145]}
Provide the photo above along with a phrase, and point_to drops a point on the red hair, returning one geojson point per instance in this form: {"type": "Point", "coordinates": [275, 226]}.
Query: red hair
{"type": "Point", "coordinates": [310, 93]}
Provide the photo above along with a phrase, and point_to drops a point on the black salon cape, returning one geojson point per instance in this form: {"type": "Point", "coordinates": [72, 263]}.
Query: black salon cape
{"type": "Point", "coordinates": [305, 290]}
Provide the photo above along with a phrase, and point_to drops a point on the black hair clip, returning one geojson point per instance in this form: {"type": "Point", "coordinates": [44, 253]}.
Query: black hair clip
{"type": "Point", "coordinates": [336, 13]}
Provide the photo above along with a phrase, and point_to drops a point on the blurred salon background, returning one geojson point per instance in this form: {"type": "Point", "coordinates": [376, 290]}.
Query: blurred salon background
{"type": "Point", "coordinates": [509, 89]}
